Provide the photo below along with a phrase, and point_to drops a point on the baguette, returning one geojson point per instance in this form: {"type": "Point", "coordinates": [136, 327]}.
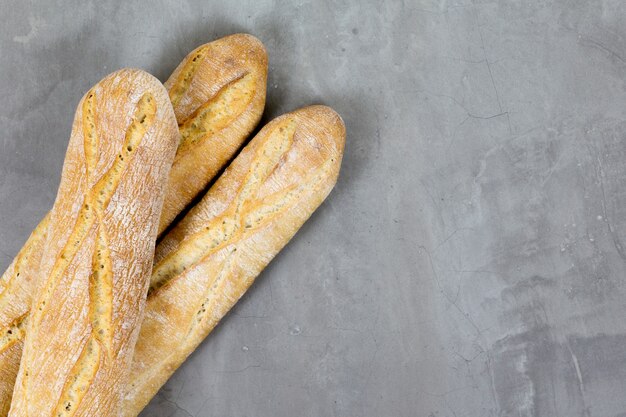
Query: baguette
{"type": "Point", "coordinates": [235, 54]}
{"type": "Point", "coordinates": [15, 298]}
{"type": "Point", "coordinates": [230, 77]}
{"type": "Point", "coordinates": [97, 257]}
{"type": "Point", "coordinates": [208, 261]}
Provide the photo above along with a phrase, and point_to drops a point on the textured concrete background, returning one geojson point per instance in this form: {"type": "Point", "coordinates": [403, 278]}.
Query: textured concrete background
{"type": "Point", "coordinates": [471, 260]}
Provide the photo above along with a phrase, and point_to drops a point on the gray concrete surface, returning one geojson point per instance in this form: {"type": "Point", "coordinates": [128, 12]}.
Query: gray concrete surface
{"type": "Point", "coordinates": [471, 260]}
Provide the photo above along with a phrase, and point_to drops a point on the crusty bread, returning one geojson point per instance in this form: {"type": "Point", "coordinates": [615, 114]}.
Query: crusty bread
{"type": "Point", "coordinates": [229, 76]}
{"type": "Point", "coordinates": [213, 85]}
{"type": "Point", "coordinates": [98, 252]}
{"type": "Point", "coordinates": [15, 299]}
{"type": "Point", "coordinates": [207, 262]}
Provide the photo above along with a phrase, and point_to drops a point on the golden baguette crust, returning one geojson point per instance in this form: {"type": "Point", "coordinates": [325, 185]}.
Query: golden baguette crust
{"type": "Point", "coordinates": [218, 92]}
{"type": "Point", "coordinates": [208, 261]}
{"type": "Point", "coordinates": [97, 256]}
{"type": "Point", "coordinates": [15, 283]}
{"type": "Point", "coordinates": [15, 299]}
